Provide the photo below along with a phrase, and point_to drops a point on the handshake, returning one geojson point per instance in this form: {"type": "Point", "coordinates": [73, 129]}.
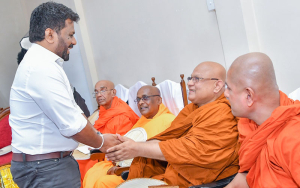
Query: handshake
{"type": "Point", "coordinates": [118, 148]}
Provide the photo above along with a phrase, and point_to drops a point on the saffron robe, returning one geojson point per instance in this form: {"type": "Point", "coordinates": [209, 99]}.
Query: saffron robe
{"type": "Point", "coordinates": [97, 175]}
{"type": "Point", "coordinates": [119, 118]}
{"type": "Point", "coordinates": [270, 152]}
{"type": "Point", "coordinates": [200, 146]}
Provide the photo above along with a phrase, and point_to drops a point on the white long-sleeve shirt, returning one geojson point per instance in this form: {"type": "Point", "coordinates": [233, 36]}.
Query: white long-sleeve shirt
{"type": "Point", "coordinates": [44, 114]}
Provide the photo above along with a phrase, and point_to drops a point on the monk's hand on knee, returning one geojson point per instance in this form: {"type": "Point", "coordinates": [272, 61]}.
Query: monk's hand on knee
{"type": "Point", "coordinates": [110, 140]}
{"type": "Point", "coordinates": [111, 171]}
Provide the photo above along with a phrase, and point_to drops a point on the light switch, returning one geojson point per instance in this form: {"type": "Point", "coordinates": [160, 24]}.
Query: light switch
{"type": "Point", "coordinates": [210, 5]}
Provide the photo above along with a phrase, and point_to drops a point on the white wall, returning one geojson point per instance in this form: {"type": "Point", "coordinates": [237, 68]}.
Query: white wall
{"type": "Point", "coordinates": [15, 15]}
{"type": "Point", "coordinates": [130, 40]}
{"type": "Point", "coordinates": [13, 27]}
{"type": "Point", "coordinates": [135, 40]}
{"type": "Point", "coordinates": [278, 24]}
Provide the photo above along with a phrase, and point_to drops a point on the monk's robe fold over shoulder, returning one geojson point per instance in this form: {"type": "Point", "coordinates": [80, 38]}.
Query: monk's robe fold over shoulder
{"type": "Point", "coordinates": [270, 152]}
{"type": "Point", "coordinates": [119, 118]}
{"type": "Point", "coordinates": [201, 146]}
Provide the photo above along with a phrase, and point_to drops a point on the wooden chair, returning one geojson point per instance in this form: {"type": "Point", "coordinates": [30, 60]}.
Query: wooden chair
{"type": "Point", "coordinates": [183, 89]}
{"type": "Point", "coordinates": [5, 142]}
{"type": "Point", "coordinates": [153, 81]}
{"type": "Point", "coordinates": [4, 112]}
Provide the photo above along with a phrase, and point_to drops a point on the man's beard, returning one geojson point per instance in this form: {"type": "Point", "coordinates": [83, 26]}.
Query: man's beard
{"type": "Point", "coordinates": [62, 49]}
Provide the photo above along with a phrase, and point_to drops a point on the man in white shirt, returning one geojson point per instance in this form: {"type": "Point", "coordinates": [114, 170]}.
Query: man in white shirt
{"type": "Point", "coordinates": [46, 122]}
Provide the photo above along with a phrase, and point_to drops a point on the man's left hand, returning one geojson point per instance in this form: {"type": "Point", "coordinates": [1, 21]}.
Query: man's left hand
{"type": "Point", "coordinates": [128, 149]}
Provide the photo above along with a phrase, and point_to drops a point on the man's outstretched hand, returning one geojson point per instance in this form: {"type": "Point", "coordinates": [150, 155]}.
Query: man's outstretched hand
{"type": "Point", "coordinates": [128, 149]}
{"type": "Point", "coordinates": [110, 140]}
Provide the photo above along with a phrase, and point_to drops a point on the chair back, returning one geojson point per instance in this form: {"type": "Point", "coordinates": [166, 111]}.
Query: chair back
{"type": "Point", "coordinates": [132, 96]}
{"type": "Point", "coordinates": [171, 95]}
{"type": "Point", "coordinates": [183, 90]}
{"type": "Point", "coordinates": [122, 92]}
{"type": "Point", "coordinates": [153, 81]}
{"type": "Point", "coordinates": [5, 135]}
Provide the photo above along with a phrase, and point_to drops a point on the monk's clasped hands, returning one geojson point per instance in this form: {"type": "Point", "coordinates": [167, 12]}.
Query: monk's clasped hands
{"type": "Point", "coordinates": [126, 150]}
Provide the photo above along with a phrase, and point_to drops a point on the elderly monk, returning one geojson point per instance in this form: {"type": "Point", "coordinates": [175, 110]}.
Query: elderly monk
{"type": "Point", "coordinates": [155, 119]}
{"type": "Point", "coordinates": [115, 116]}
{"type": "Point", "coordinates": [269, 128]}
{"type": "Point", "coordinates": [200, 146]}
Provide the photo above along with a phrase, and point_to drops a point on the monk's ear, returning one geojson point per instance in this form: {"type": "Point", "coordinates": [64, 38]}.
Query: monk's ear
{"type": "Point", "coordinates": [159, 100]}
{"type": "Point", "coordinates": [114, 92]}
{"type": "Point", "coordinates": [50, 35]}
{"type": "Point", "coordinates": [250, 96]}
{"type": "Point", "coordinates": [218, 86]}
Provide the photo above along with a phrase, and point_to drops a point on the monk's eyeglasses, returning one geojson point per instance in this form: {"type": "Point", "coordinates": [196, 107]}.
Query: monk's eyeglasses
{"type": "Point", "coordinates": [196, 79]}
{"type": "Point", "coordinates": [145, 98]}
{"type": "Point", "coordinates": [101, 92]}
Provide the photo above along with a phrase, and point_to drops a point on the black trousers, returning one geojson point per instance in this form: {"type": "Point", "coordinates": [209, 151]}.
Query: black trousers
{"type": "Point", "coordinates": [54, 173]}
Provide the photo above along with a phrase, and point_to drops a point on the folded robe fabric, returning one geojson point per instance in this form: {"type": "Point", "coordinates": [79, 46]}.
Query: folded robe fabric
{"type": "Point", "coordinates": [200, 146]}
{"type": "Point", "coordinates": [97, 177]}
{"type": "Point", "coordinates": [270, 152]}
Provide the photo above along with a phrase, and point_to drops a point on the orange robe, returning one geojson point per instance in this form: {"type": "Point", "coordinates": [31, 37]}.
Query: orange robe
{"type": "Point", "coordinates": [119, 118]}
{"type": "Point", "coordinates": [270, 153]}
{"type": "Point", "coordinates": [97, 176]}
{"type": "Point", "coordinates": [200, 146]}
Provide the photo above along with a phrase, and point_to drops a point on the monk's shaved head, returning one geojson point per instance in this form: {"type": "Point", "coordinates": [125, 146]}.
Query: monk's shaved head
{"type": "Point", "coordinates": [206, 83]}
{"type": "Point", "coordinates": [148, 101]}
{"type": "Point", "coordinates": [106, 92]}
{"type": "Point", "coordinates": [105, 83]}
{"type": "Point", "coordinates": [212, 70]}
{"type": "Point", "coordinates": [252, 88]}
{"type": "Point", "coordinates": [151, 90]}
{"type": "Point", "coordinates": [254, 70]}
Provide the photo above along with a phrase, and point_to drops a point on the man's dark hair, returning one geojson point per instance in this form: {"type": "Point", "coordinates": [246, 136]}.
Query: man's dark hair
{"type": "Point", "coordinates": [49, 15]}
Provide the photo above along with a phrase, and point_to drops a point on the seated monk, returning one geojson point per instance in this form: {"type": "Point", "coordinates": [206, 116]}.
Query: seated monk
{"type": "Point", "coordinates": [200, 146]}
{"type": "Point", "coordinates": [155, 119]}
{"type": "Point", "coordinates": [115, 116]}
{"type": "Point", "coordinates": [269, 128]}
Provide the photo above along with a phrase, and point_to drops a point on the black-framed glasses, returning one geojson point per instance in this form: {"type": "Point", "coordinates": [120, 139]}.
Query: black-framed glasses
{"type": "Point", "coordinates": [95, 93]}
{"type": "Point", "coordinates": [196, 79]}
{"type": "Point", "coordinates": [145, 98]}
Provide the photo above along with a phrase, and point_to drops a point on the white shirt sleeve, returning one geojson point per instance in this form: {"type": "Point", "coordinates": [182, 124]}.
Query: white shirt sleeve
{"type": "Point", "coordinates": [51, 93]}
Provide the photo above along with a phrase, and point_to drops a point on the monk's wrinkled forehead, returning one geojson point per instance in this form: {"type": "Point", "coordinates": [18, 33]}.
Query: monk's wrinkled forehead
{"type": "Point", "coordinates": [148, 90]}
{"type": "Point", "coordinates": [104, 84]}
{"type": "Point", "coordinates": [210, 69]}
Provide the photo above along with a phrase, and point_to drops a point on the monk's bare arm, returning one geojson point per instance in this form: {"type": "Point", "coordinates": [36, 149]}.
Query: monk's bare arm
{"type": "Point", "coordinates": [239, 181]}
{"type": "Point", "coordinates": [130, 149]}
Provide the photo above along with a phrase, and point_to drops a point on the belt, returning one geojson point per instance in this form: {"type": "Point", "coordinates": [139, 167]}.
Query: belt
{"type": "Point", "coordinates": [22, 157]}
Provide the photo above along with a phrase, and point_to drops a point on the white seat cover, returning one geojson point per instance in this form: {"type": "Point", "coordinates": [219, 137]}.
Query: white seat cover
{"type": "Point", "coordinates": [140, 183]}
{"type": "Point", "coordinates": [171, 96]}
{"type": "Point", "coordinates": [295, 95]}
{"type": "Point", "coordinates": [122, 92]}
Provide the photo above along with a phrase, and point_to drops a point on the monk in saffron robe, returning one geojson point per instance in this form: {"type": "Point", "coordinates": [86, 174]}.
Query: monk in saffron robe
{"type": "Point", "coordinates": [200, 146]}
{"type": "Point", "coordinates": [155, 119]}
{"type": "Point", "coordinates": [115, 117]}
{"type": "Point", "coordinates": [269, 128]}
